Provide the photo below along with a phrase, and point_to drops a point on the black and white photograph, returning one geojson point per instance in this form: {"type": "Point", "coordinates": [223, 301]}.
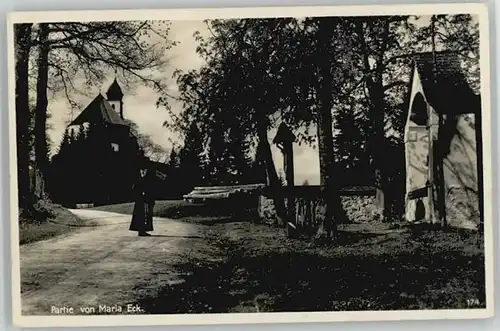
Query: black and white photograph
{"type": "Point", "coordinates": [227, 165]}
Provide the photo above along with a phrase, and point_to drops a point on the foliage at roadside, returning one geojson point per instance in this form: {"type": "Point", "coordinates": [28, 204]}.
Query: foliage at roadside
{"type": "Point", "coordinates": [45, 221]}
{"type": "Point", "coordinates": [42, 211]}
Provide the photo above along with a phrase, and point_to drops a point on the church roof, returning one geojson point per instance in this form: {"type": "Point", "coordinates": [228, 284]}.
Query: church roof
{"type": "Point", "coordinates": [446, 87]}
{"type": "Point", "coordinates": [114, 91]}
{"type": "Point", "coordinates": [97, 112]}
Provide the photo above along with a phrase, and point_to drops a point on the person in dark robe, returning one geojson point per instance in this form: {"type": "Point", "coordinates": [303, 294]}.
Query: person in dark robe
{"type": "Point", "coordinates": [142, 217]}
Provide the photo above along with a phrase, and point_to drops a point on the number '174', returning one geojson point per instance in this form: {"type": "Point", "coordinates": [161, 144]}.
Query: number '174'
{"type": "Point", "coordinates": [473, 302]}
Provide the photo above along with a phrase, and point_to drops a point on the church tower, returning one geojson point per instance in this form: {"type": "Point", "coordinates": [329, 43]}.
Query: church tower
{"type": "Point", "coordinates": [115, 98]}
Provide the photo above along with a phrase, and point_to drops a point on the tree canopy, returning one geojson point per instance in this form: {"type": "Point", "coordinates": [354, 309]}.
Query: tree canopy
{"type": "Point", "coordinates": [261, 72]}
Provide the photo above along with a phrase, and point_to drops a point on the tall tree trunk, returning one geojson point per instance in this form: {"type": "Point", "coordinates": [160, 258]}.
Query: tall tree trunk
{"type": "Point", "coordinates": [379, 143]}
{"type": "Point", "coordinates": [441, 146]}
{"type": "Point", "coordinates": [444, 130]}
{"type": "Point", "coordinates": [376, 97]}
{"type": "Point", "coordinates": [22, 35]}
{"type": "Point", "coordinates": [262, 126]}
{"type": "Point", "coordinates": [330, 187]}
{"type": "Point", "coordinates": [42, 100]}
{"type": "Point", "coordinates": [272, 176]}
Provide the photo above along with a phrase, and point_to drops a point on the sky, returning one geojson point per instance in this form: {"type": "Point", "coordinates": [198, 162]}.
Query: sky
{"type": "Point", "coordinates": [139, 106]}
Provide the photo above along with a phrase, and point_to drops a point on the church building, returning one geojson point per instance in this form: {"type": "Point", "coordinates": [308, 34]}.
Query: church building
{"type": "Point", "coordinates": [99, 156]}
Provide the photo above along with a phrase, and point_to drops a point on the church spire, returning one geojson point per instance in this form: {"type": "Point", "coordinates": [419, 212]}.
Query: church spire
{"type": "Point", "coordinates": [114, 92]}
{"type": "Point", "coordinates": [115, 97]}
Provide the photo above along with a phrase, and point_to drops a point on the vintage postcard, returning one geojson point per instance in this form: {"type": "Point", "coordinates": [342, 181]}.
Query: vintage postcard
{"type": "Point", "coordinates": [251, 165]}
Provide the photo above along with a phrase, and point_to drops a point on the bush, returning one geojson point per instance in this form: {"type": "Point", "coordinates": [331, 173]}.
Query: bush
{"type": "Point", "coordinates": [42, 211]}
{"type": "Point", "coordinates": [35, 229]}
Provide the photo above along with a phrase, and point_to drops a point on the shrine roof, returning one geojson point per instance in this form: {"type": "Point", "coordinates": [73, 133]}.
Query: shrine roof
{"type": "Point", "coordinates": [444, 83]}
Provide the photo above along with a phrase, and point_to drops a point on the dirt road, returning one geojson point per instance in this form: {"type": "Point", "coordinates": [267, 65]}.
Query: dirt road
{"type": "Point", "coordinates": [103, 267]}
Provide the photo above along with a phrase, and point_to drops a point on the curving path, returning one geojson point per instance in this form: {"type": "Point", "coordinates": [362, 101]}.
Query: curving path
{"type": "Point", "coordinates": [102, 266]}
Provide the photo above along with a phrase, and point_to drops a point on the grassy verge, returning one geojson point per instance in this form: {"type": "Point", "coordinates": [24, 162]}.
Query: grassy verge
{"type": "Point", "coordinates": [368, 268]}
{"type": "Point", "coordinates": [32, 230]}
{"type": "Point", "coordinates": [162, 208]}
{"type": "Point", "coordinates": [181, 210]}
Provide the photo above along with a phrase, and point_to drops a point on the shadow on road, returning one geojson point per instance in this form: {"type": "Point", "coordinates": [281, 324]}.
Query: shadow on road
{"type": "Point", "coordinates": [184, 237]}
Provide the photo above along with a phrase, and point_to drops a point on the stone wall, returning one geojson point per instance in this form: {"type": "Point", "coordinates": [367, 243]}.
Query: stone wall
{"type": "Point", "coordinates": [460, 165]}
{"type": "Point", "coordinates": [265, 210]}
{"type": "Point", "coordinates": [462, 208]}
{"type": "Point", "coordinates": [310, 209]}
{"type": "Point", "coordinates": [461, 176]}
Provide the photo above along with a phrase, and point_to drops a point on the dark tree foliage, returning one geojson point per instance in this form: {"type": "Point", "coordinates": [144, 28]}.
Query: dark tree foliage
{"type": "Point", "coordinates": [87, 169]}
{"type": "Point", "coordinates": [190, 168]}
{"type": "Point", "coordinates": [350, 144]}
{"type": "Point", "coordinates": [227, 160]}
{"type": "Point", "coordinates": [241, 86]}
{"type": "Point", "coordinates": [252, 81]}
{"type": "Point", "coordinates": [173, 181]}
{"type": "Point", "coordinates": [258, 73]}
